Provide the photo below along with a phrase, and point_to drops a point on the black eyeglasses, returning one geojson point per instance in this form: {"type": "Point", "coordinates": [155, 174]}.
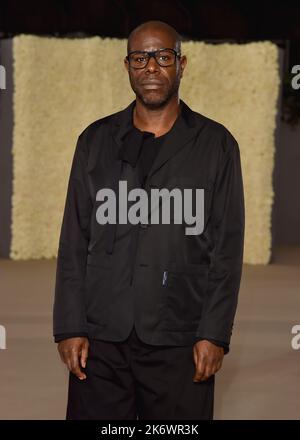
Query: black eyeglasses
{"type": "Point", "coordinates": [164, 57]}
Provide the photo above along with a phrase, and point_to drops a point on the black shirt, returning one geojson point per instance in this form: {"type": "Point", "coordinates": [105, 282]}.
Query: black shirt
{"type": "Point", "coordinates": [139, 149]}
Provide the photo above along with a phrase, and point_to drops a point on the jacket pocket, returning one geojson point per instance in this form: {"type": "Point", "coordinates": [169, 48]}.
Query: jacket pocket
{"type": "Point", "coordinates": [98, 280]}
{"type": "Point", "coordinates": [184, 289]}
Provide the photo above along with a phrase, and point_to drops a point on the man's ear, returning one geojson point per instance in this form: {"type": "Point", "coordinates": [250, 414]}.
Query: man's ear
{"type": "Point", "coordinates": [126, 65]}
{"type": "Point", "coordinates": [183, 63]}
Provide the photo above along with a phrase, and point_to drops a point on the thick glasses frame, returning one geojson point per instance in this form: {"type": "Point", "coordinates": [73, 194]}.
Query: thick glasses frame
{"type": "Point", "coordinates": [153, 54]}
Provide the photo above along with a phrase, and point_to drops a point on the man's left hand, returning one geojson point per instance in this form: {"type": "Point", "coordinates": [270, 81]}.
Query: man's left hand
{"type": "Point", "coordinates": [208, 359]}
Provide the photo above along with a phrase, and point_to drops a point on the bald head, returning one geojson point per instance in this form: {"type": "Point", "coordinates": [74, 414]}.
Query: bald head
{"type": "Point", "coordinates": [153, 28]}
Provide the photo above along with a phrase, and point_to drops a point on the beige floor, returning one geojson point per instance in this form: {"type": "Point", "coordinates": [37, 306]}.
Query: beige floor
{"type": "Point", "coordinates": [260, 377]}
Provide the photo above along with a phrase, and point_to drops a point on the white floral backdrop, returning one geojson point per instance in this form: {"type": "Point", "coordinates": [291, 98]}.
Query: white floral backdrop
{"type": "Point", "coordinates": [61, 85]}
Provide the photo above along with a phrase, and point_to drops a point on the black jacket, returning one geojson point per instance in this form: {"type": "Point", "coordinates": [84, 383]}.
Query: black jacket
{"type": "Point", "coordinates": [184, 287]}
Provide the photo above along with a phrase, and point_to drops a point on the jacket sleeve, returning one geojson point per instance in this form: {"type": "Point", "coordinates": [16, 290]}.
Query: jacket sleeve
{"type": "Point", "coordinates": [69, 308]}
{"type": "Point", "coordinates": [63, 336]}
{"type": "Point", "coordinates": [227, 225]}
{"type": "Point", "coordinates": [219, 344]}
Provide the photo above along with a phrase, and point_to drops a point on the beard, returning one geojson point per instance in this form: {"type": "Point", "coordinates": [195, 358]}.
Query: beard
{"type": "Point", "coordinates": [155, 98]}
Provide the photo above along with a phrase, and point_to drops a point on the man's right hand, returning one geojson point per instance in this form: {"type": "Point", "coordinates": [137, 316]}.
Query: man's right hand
{"type": "Point", "coordinates": [74, 353]}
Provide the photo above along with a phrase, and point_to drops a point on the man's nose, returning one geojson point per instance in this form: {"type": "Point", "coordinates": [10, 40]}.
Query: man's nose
{"type": "Point", "coordinates": [152, 64]}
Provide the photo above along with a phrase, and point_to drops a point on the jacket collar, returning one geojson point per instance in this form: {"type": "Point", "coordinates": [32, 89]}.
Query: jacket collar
{"type": "Point", "coordinates": [183, 130]}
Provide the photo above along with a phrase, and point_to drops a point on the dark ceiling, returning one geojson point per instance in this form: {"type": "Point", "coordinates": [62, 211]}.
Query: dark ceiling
{"type": "Point", "coordinates": [198, 19]}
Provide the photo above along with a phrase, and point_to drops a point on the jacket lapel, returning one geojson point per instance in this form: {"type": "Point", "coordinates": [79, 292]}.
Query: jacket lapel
{"type": "Point", "coordinates": [183, 130]}
{"type": "Point", "coordinates": [122, 125]}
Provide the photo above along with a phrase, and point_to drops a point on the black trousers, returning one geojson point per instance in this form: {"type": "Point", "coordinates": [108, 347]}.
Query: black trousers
{"type": "Point", "coordinates": [132, 380]}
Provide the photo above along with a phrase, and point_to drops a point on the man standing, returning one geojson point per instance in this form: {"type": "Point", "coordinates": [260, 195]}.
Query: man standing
{"type": "Point", "coordinates": [143, 311]}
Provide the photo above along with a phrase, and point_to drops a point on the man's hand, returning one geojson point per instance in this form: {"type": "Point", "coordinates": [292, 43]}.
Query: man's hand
{"type": "Point", "coordinates": [208, 359]}
{"type": "Point", "coordinates": [71, 350]}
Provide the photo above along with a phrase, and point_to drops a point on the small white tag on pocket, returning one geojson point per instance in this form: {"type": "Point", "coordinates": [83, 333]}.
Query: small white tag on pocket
{"type": "Point", "coordinates": [165, 277]}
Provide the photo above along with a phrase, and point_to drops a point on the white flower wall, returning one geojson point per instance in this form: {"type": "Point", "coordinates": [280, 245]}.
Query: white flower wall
{"type": "Point", "coordinates": [61, 85]}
